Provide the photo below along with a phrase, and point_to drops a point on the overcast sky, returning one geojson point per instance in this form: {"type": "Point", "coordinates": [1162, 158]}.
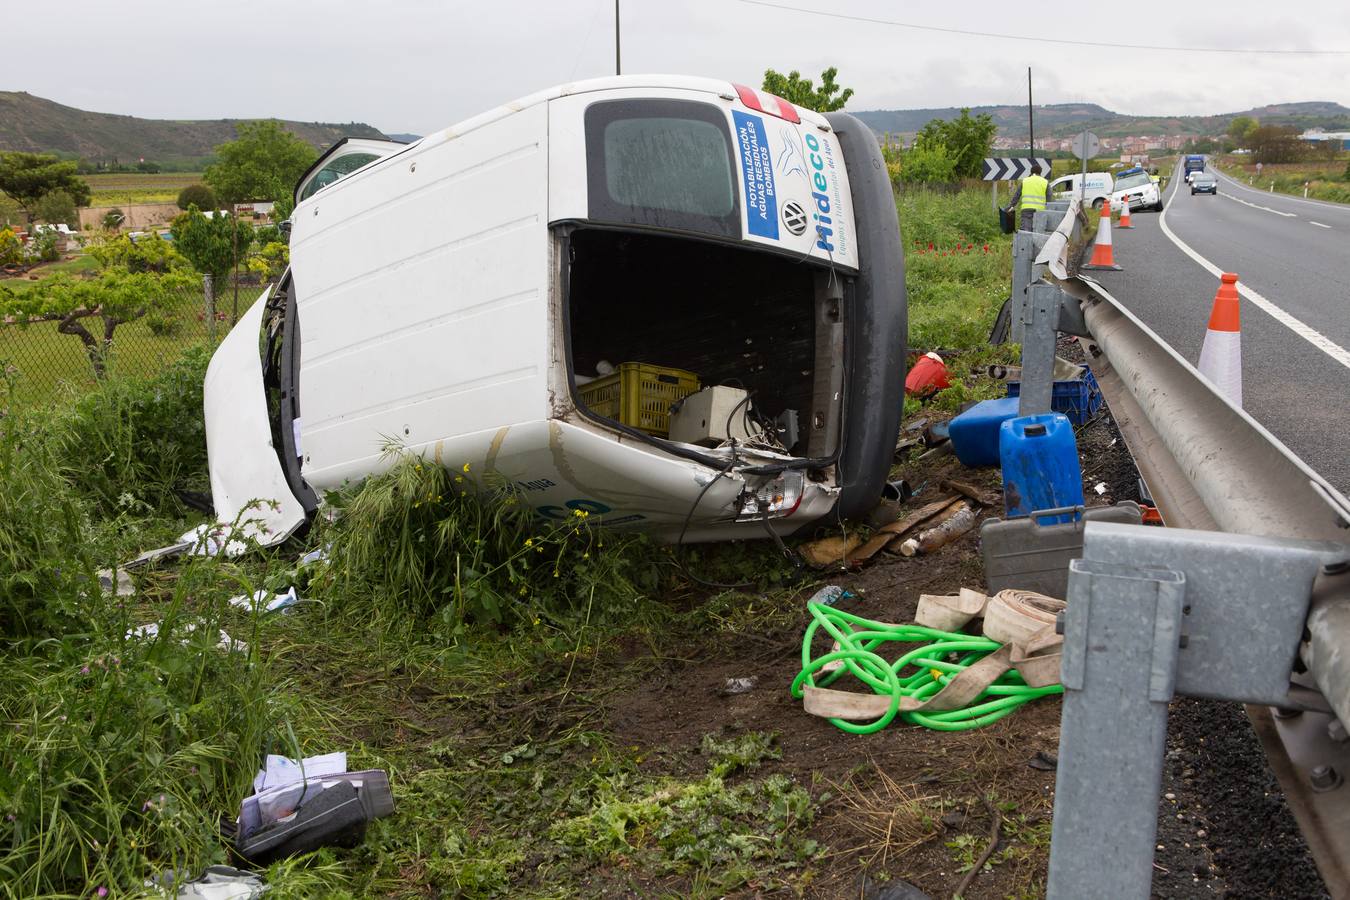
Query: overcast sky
{"type": "Point", "coordinates": [420, 65]}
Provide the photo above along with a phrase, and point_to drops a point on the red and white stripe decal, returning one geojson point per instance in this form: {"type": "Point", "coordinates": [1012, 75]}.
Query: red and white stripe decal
{"type": "Point", "coordinates": [769, 104]}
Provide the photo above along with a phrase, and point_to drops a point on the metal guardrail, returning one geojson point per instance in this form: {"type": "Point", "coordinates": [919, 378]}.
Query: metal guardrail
{"type": "Point", "coordinates": [1255, 562]}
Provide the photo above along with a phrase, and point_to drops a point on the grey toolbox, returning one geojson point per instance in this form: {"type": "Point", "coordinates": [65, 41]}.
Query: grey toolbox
{"type": "Point", "coordinates": [1023, 553]}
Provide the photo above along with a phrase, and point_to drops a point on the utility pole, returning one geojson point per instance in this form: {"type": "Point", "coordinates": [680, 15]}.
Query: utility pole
{"type": "Point", "coordinates": [1030, 119]}
{"type": "Point", "coordinates": [618, 68]}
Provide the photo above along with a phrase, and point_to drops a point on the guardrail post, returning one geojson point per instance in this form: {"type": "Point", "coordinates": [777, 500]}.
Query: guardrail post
{"type": "Point", "coordinates": [1026, 246]}
{"type": "Point", "coordinates": [1155, 613]}
{"type": "Point", "coordinates": [1121, 631]}
{"type": "Point", "coordinates": [1038, 349]}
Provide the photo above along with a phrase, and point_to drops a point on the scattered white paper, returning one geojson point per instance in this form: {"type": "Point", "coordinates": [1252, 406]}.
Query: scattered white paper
{"type": "Point", "coordinates": [260, 600]}
{"type": "Point", "coordinates": [151, 630]}
{"type": "Point", "coordinates": [314, 556]}
{"type": "Point", "coordinates": [1100, 488]}
{"type": "Point", "coordinates": [279, 771]}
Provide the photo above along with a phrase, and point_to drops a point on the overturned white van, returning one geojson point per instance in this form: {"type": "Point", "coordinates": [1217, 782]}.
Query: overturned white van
{"type": "Point", "coordinates": [721, 251]}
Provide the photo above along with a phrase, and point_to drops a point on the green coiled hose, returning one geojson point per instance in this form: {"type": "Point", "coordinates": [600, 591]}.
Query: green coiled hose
{"type": "Point", "coordinates": [940, 656]}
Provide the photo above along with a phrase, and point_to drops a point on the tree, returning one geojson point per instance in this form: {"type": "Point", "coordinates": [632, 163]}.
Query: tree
{"type": "Point", "coordinates": [795, 89]}
{"type": "Point", "coordinates": [1241, 127]}
{"type": "Point", "coordinates": [116, 296]}
{"type": "Point", "coordinates": [213, 245]}
{"type": "Point", "coordinates": [1276, 144]}
{"type": "Point", "coordinates": [26, 177]}
{"type": "Point", "coordinates": [968, 140]}
{"type": "Point", "coordinates": [56, 207]}
{"type": "Point", "coordinates": [264, 163]}
{"type": "Point", "coordinates": [927, 162]}
{"type": "Point", "coordinates": [112, 219]}
{"type": "Point", "coordinates": [198, 195]}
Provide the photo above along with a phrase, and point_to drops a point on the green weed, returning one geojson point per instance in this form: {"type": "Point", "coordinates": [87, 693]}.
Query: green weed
{"type": "Point", "coordinates": [418, 542]}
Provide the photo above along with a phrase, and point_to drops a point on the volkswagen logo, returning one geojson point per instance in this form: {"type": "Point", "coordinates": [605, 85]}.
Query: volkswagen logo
{"type": "Point", "coordinates": [794, 217]}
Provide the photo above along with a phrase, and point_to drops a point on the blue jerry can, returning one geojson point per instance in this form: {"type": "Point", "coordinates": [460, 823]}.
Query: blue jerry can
{"type": "Point", "coordinates": [974, 433]}
{"type": "Point", "coordinates": [1040, 465]}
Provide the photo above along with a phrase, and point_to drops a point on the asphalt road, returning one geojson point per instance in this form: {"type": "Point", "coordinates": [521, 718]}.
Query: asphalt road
{"type": "Point", "coordinates": [1295, 255]}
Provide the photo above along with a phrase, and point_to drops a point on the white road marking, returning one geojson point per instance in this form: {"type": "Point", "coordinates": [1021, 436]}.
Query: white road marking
{"type": "Point", "coordinates": [1307, 332]}
{"type": "Point", "coordinates": [1254, 206]}
{"type": "Point", "coordinates": [1318, 224]}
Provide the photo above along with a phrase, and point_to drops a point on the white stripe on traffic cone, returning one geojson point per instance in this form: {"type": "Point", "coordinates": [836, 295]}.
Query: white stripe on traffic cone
{"type": "Point", "coordinates": [1221, 354]}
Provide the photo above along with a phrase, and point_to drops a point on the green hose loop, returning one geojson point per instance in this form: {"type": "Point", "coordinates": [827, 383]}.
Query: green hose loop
{"type": "Point", "coordinates": [940, 656]}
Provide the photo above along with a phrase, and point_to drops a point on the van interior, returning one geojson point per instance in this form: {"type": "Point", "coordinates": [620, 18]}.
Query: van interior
{"type": "Point", "coordinates": [762, 322]}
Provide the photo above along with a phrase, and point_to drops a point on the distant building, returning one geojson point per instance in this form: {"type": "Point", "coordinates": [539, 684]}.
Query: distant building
{"type": "Point", "coordinates": [1320, 137]}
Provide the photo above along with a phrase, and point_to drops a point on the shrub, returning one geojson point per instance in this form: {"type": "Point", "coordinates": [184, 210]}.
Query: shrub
{"type": "Point", "coordinates": [148, 437]}
{"type": "Point", "coordinates": [113, 218]}
{"type": "Point", "coordinates": [163, 324]}
{"type": "Point", "coordinates": [43, 245]}
{"type": "Point", "coordinates": [11, 248]}
{"type": "Point", "coordinates": [56, 207]}
{"type": "Point", "coordinates": [198, 195]}
{"type": "Point", "coordinates": [151, 253]}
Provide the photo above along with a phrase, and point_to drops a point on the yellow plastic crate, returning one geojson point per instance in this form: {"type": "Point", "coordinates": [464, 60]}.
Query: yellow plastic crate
{"type": "Point", "coordinates": [639, 395]}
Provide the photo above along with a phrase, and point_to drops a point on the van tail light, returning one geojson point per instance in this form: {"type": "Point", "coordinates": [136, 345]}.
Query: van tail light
{"type": "Point", "coordinates": [776, 498]}
{"type": "Point", "coordinates": [770, 104]}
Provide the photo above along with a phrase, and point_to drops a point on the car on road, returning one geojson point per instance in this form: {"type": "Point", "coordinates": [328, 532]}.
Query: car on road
{"type": "Point", "coordinates": [1204, 183]}
{"type": "Point", "coordinates": [667, 304]}
{"type": "Point", "coordinates": [1135, 187]}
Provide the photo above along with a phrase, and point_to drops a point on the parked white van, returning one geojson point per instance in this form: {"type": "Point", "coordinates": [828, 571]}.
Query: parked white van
{"type": "Point", "coordinates": [464, 296]}
{"type": "Point", "coordinates": [1099, 186]}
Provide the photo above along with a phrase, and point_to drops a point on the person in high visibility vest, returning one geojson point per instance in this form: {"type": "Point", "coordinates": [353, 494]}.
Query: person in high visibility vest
{"type": "Point", "coordinates": [1030, 196]}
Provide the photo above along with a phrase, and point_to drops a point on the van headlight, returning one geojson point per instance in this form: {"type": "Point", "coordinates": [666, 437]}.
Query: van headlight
{"type": "Point", "coordinates": [774, 499]}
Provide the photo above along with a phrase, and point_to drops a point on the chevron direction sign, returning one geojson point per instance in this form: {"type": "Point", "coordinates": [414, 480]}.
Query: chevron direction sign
{"type": "Point", "coordinates": [1011, 168]}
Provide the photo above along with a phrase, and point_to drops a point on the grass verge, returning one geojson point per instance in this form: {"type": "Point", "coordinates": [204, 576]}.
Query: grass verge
{"type": "Point", "coordinates": [483, 659]}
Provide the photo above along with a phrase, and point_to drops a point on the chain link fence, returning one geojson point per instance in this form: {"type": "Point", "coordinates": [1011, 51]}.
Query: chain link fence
{"type": "Point", "coordinates": [53, 364]}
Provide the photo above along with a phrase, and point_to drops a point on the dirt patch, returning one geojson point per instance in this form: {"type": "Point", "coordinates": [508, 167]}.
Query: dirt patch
{"type": "Point", "coordinates": [906, 802]}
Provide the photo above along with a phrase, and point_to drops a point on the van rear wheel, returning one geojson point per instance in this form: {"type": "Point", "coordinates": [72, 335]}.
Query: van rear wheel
{"type": "Point", "coordinates": [1097, 204]}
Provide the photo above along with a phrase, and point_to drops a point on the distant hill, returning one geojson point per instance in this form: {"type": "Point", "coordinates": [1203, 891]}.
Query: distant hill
{"type": "Point", "coordinates": [36, 125]}
{"type": "Point", "coordinates": [1066, 119]}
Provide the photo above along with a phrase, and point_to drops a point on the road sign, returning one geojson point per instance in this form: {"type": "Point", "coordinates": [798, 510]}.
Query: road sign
{"type": "Point", "coordinates": [1012, 168]}
{"type": "Point", "coordinates": [1086, 145]}
{"type": "Point", "coordinates": [1258, 168]}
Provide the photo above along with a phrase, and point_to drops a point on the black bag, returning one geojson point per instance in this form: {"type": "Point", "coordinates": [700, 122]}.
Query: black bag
{"type": "Point", "coordinates": [1007, 219]}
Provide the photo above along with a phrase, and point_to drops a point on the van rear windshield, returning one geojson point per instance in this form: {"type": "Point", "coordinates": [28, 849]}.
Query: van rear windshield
{"type": "Point", "coordinates": [661, 163]}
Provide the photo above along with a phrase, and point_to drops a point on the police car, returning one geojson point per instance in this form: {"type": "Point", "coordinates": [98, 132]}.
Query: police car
{"type": "Point", "coordinates": [1135, 187]}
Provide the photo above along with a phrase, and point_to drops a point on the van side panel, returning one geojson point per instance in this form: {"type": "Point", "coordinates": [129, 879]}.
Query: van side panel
{"type": "Point", "coordinates": [421, 285]}
{"type": "Point", "coordinates": [877, 323]}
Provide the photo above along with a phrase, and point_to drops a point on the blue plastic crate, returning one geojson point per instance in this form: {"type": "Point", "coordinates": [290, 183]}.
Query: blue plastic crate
{"type": "Point", "coordinates": [1079, 399]}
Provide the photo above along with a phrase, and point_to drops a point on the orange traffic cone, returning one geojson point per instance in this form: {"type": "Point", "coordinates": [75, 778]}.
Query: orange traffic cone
{"type": "Point", "coordinates": [1101, 248]}
{"type": "Point", "coordinates": [1125, 215]}
{"type": "Point", "coordinates": [1221, 354]}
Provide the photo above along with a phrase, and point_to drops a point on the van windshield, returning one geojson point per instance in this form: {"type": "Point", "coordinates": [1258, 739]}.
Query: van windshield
{"type": "Point", "coordinates": [662, 163]}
